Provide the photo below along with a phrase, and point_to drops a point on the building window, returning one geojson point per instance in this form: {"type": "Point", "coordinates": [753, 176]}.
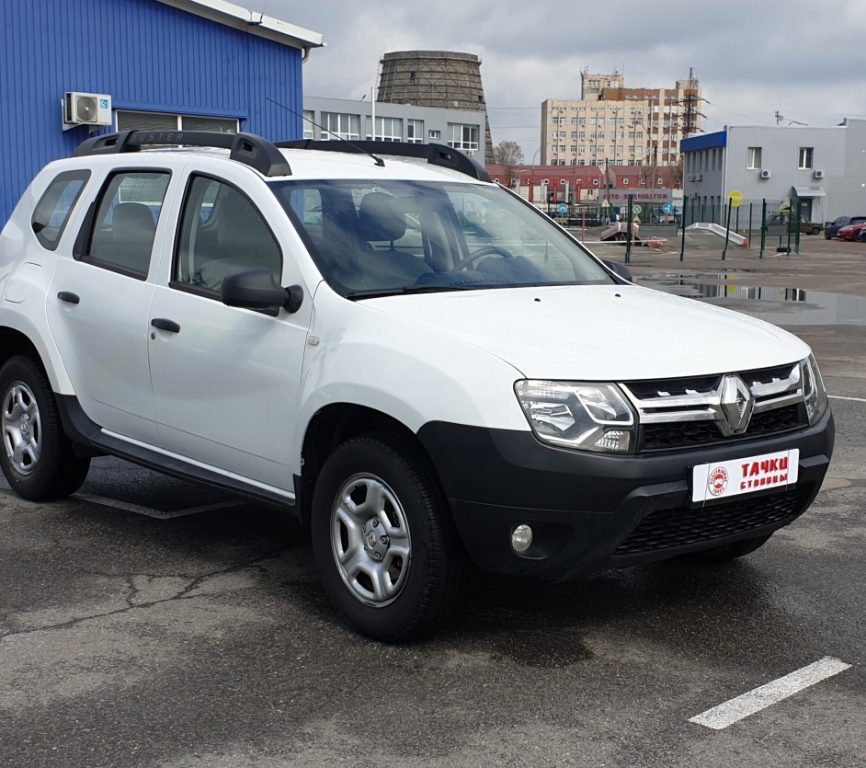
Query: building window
{"type": "Point", "coordinates": [341, 125]}
{"type": "Point", "coordinates": [434, 133]}
{"type": "Point", "coordinates": [753, 158]}
{"type": "Point", "coordinates": [464, 136]}
{"type": "Point", "coordinates": [805, 161]}
{"type": "Point", "coordinates": [158, 121]}
{"type": "Point", "coordinates": [415, 131]}
{"type": "Point", "coordinates": [387, 129]}
{"type": "Point", "coordinates": [309, 124]}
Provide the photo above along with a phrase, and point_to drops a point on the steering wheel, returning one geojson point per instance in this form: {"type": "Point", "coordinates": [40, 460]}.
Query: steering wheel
{"type": "Point", "coordinates": [487, 250]}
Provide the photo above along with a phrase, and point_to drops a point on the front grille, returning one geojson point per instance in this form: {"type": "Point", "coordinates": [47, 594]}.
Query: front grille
{"type": "Point", "coordinates": [668, 529]}
{"type": "Point", "coordinates": [685, 434]}
{"type": "Point", "coordinates": [699, 411]}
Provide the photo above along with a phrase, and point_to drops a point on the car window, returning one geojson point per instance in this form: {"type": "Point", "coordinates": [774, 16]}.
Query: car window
{"type": "Point", "coordinates": [221, 233]}
{"type": "Point", "coordinates": [125, 222]}
{"type": "Point", "coordinates": [377, 237]}
{"type": "Point", "coordinates": [488, 228]}
{"type": "Point", "coordinates": [54, 207]}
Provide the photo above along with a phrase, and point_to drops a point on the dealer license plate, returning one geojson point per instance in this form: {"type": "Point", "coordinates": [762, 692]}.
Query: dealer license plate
{"type": "Point", "coordinates": [752, 473]}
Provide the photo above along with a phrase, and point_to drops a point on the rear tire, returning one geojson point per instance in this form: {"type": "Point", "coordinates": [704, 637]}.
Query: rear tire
{"type": "Point", "coordinates": [383, 541]}
{"type": "Point", "coordinates": [36, 456]}
{"type": "Point", "coordinates": [727, 552]}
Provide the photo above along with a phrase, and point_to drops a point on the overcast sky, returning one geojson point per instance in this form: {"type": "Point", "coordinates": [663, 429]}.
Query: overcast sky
{"type": "Point", "coordinates": [804, 58]}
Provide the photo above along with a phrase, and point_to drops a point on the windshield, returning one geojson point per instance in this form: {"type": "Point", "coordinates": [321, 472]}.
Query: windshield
{"type": "Point", "coordinates": [387, 237]}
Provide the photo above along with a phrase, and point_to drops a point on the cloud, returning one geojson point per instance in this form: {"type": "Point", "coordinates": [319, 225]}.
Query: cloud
{"type": "Point", "coordinates": [753, 57]}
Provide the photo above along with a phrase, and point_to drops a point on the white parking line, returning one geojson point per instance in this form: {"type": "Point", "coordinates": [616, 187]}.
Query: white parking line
{"type": "Point", "coordinates": [754, 701]}
{"type": "Point", "coordinates": [855, 399]}
{"type": "Point", "coordinates": [125, 506]}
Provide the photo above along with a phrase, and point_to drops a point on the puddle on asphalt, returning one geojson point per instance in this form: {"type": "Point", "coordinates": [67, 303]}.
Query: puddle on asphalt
{"type": "Point", "coordinates": [781, 306]}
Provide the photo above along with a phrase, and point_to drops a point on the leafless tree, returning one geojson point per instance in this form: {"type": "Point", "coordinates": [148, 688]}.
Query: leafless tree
{"type": "Point", "coordinates": [508, 153]}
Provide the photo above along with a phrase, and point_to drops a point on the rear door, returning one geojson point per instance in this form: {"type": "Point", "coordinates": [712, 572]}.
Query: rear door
{"type": "Point", "coordinates": [100, 297]}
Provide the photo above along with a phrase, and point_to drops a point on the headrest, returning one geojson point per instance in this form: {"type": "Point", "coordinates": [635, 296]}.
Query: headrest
{"type": "Point", "coordinates": [380, 219]}
{"type": "Point", "coordinates": [132, 216]}
{"type": "Point", "coordinates": [239, 228]}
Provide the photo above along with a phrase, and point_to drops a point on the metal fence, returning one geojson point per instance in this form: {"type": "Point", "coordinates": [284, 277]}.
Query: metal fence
{"type": "Point", "coordinates": [767, 226]}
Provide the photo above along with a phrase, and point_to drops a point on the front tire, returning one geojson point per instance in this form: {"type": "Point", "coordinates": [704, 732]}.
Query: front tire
{"type": "Point", "coordinates": [36, 456]}
{"type": "Point", "coordinates": [383, 541]}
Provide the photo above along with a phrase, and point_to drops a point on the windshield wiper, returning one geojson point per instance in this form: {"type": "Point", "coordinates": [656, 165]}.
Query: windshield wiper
{"type": "Point", "coordinates": [374, 293]}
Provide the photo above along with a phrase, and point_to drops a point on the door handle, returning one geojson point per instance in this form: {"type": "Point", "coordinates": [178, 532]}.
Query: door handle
{"type": "Point", "coordinates": [165, 325]}
{"type": "Point", "coordinates": [69, 298]}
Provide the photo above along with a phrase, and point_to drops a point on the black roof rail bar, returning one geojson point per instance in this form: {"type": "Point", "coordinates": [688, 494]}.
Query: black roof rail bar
{"type": "Point", "coordinates": [246, 148]}
{"type": "Point", "coordinates": [435, 154]}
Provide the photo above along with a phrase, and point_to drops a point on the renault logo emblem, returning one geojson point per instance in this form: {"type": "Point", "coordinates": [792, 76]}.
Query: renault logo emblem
{"type": "Point", "coordinates": [737, 404]}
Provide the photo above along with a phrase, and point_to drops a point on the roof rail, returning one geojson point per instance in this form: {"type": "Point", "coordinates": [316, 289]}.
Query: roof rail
{"type": "Point", "coordinates": [246, 148]}
{"type": "Point", "coordinates": [435, 154]}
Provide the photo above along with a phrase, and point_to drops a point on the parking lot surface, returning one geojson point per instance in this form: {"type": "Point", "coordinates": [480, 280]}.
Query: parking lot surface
{"type": "Point", "coordinates": [150, 622]}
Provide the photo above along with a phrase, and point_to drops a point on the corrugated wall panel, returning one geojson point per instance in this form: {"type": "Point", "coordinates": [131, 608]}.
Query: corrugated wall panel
{"type": "Point", "coordinates": [148, 56]}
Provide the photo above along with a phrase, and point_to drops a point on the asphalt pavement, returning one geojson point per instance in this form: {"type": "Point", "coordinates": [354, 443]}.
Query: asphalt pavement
{"type": "Point", "coordinates": [150, 622]}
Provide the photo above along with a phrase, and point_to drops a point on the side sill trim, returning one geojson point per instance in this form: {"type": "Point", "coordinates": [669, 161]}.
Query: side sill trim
{"type": "Point", "coordinates": [81, 429]}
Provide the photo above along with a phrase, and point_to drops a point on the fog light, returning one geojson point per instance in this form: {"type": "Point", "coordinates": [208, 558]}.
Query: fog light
{"type": "Point", "coordinates": [521, 538]}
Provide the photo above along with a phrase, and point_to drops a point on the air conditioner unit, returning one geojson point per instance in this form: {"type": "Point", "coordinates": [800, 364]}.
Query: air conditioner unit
{"type": "Point", "coordinates": [691, 178]}
{"type": "Point", "coordinates": [699, 177]}
{"type": "Point", "coordinates": [765, 173]}
{"type": "Point", "coordinates": [86, 109]}
{"type": "Point", "coordinates": [817, 174]}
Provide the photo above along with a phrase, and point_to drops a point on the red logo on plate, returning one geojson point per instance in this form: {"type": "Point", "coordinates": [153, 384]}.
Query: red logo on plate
{"type": "Point", "coordinates": [718, 481]}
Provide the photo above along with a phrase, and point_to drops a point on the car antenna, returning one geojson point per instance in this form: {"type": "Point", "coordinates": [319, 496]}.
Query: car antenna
{"type": "Point", "coordinates": [378, 160]}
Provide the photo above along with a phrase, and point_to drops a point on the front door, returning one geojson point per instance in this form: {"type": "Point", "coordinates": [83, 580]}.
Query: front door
{"type": "Point", "coordinates": [226, 380]}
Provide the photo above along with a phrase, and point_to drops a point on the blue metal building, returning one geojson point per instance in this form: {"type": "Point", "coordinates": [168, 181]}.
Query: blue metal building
{"type": "Point", "coordinates": [189, 61]}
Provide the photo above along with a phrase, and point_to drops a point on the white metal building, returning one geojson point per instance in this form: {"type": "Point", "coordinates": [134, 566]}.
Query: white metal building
{"type": "Point", "coordinates": [824, 167]}
{"type": "Point", "coordinates": [463, 129]}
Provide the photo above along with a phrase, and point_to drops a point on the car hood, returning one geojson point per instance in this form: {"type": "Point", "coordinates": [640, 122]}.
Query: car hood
{"type": "Point", "coordinates": [597, 333]}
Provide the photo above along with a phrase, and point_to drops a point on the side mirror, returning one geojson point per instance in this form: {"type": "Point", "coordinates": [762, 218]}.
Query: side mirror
{"type": "Point", "coordinates": [256, 289]}
{"type": "Point", "coordinates": [620, 269]}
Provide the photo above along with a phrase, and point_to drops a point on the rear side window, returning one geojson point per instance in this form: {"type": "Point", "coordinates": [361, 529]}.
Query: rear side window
{"type": "Point", "coordinates": [55, 206]}
{"type": "Point", "coordinates": [125, 223]}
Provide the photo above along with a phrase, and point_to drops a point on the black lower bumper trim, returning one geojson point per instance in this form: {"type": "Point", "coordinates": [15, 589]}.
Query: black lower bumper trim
{"type": "Point", "coordinates": [592, 511]}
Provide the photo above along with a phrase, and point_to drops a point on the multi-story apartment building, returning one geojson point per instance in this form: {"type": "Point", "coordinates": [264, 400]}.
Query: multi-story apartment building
{"type": "Point", "coordinates": [614, 124]}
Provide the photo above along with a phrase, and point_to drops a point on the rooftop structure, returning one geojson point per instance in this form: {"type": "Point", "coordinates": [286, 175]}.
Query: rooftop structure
{"type": "Point", "coordinates": [444, 79]}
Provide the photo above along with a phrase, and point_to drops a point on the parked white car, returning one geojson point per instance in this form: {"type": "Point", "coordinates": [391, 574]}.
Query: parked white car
{"type": "Point", "coordinates": [415, 363]}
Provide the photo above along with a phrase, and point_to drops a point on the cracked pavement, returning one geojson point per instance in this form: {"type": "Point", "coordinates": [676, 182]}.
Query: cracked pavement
{"type": "Point", "coordinates": [205, 641]}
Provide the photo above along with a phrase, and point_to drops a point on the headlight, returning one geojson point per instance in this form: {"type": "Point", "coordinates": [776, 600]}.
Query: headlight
{"type": "Point", "coordinates": [590, 417]}
{"type": "Point", "coordinates": [814, 394]}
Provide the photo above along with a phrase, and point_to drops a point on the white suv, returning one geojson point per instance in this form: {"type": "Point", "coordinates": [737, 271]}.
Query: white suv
{"type": "Point", "coordinates": [410, 359]}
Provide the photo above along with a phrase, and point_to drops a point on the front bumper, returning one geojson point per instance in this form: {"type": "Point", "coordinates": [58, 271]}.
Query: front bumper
{"type": "Point", "coordinates": [592, 511]}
